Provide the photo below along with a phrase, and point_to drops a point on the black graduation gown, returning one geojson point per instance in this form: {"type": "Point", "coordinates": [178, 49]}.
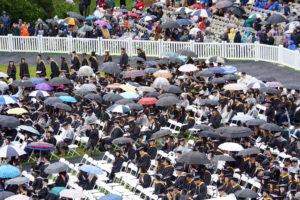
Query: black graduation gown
{"type": "Point", "coordinates": [181, 182]}
{"type": "Point", "coordinates": [60, 182]}
{"type": "Point", "coordinates": [291, 147]}
{"type": "Point", "coordinates": [284, 179]}
{"type": "Point", "coordinates": [41, 67]}
{"type": "Point", "coordinates": [75, 63]}
{"type": "Point", "coordinates": [191, 186]}
{"type": "Point", "coordinates": [94, 63]}
{"type": "Point", "coordinates": [207, 177]}
{"type": "Point", "coordinates": [54, 69]}
{"type": "Point", "coordinates": [11, 72]}
{"type": "Point", "coordinates": [167, 171]}
{"type": "Point", "coordinates": [117, 165]}
{"type": "Point", "coordinates": [85, 62]}
{"type": "Point", "coordinates": [152, 151]}
{"type": "Point", "coordinates": [109, 59]}
{"type": "Point", "coordinates": [43, 193]}
{"type": "Point", "coordinates": [89, 185]}
{"type": "Point", "coordinates": [144, 161]}
{"type": "Point", "coordinates": [142, 55]}
{"type": "Point", "coordinates": [65, 67]}
{"type": "Point", "coordinates": [123, 60]}
{"type": "Point", "coordinates": [159, 188]}
{"type": "Point", "coordinates": [233, 189]}
{"type": "Point", "coordinates": [200, 191]}
{"type": "Point", "coordinates": [37, 184]}
{"type": "Point", "coordinates": [24, 70]}
{"type": "Point", "coordinates": [43, 167]}
{"type": "Point", "coordinates": [145, 180]}
{"type": "Point", "coordinates": [116, 133]}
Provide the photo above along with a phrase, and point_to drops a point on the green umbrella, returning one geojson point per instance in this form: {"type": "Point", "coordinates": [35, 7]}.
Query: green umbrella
{"type": "Point", "coordinates": [85, 29]}
{"type": "Point", "coordinates": [57, 190]}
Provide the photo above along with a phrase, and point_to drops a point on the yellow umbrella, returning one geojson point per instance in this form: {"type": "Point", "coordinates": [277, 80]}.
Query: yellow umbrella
{"type": "Point", "coordinates": [71, 21]}
{"type": "Point", "coordinates": [128, 88]}
{"type": "Point", "coordinates": [17, 111]}
{"type": "Point", "coordinates": [114, 85]}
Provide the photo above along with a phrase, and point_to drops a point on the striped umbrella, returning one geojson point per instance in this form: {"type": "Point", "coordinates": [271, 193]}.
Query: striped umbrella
{"type": "Point", "coordinates": [119, 108]}
{"type": "Point", "coordinates": [274, 84]}
{"type": "Point", "coordinates": [41, 146]}
{"type": "Point", "coordinates": [130, 95]}
{"type": "Point", "coordinates": [256, 85]}
{"type": "Point", "coordinates": [235, 86]}
{"type": "Point", "coordinates": [5, 99]}
{"type": "Point", "coordinates": [39, 93]}
{"type": "Point", "coordinates": [114, 85]}
{"type": "Point", "coordinates": [10, 150]}
{"type": "Point", "coordinates": [28, 129]}
{"type": "Point", "coordinates": [147, 101]}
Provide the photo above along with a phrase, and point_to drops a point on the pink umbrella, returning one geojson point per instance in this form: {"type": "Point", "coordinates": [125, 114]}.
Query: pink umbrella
{"type": "Point", "coordinates": [43, 86]}
{"type": "Point", "coordinates": [72, 194]}
{"type": "Point", "coordinates": [103, 23]}
{"type": "Point", "coordinates": [274, 84]}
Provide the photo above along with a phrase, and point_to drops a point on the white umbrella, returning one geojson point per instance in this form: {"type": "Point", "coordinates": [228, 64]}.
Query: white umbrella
{"type": "Point", "coordinates": [201, 13]}
{"type": "Point", "coordinates": [146, 89]}
{"type": "Point", "coordinates": [3, 85]}
{"type": "Point", "coordinates": [10, 150]}
{"type": "Point", "coordinates": [194, 31]}
{"type": "Point", "coordinates": [85, 71]}
{"type": "Point", "coordinates": [89, 87]}
{"type": "Point", "coordinates": [235, 86]}
{"type": "Point", "coordinates": [230, 146]}
{"type": "Point", "coordinates": [242, 117]}
{"type": "Point", "coordinates": [3, 75]}
{"type": "Point", "coordinates": [160, 82]}
{"type": "Point", "coordinates": [72, 194]}
{"type": "Point", "coordinates": [39, 93]}
{"type": "Point", "coordinates": [18, 197]}
{"type": "Point", "coordinates": [188, 68]}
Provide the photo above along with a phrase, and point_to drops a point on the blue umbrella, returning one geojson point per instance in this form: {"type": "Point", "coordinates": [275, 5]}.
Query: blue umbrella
{"type": "Point", "coordinates": [150, 70]}
{"type": "Point", "coordinates": [37, 80]}
{"type": "Point", "coordinates": [91, 169]}
{"type": "Point", "coordinates": [5, 99]}
{"type": "Point", "coordinates": [151, 63]}
{"type": "Point", "coordinates": [91, 17]}
{"type": "Point", "coordinates": [29, 129]}
{"type": "Point", "coordinates": [9, 171]}
{"type": "Point", "coordinates": [228, 69]}
{"type": "Point", "coordinates": [68, 99]}
{"type": "Point", "coordinates": [111, 197]}
{"type": "Point", "coordinates": [216, 70]}
{"type": "Point", "coordinates": [130, 95]}
{"type": "Point", "coordinates": [57, 190]}
{"type": "Point", "coordinates": [183, 22]}
{"type": "Point", "coordinates": [118, 109]}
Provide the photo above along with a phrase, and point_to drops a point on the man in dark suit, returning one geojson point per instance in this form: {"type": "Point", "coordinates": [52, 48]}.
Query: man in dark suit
{"type": "Point", "coordinates": [124, 58]}
{"type": "Point", "coordinates": [54, 68]}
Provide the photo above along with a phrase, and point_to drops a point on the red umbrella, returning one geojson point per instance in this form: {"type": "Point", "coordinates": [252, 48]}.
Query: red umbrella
{"type": "Point", "coordinates": [198, 6]}
{"type": "Point", "coordinates": [134, 15]}
{"type": "Point", "coordinates": [147, 101]}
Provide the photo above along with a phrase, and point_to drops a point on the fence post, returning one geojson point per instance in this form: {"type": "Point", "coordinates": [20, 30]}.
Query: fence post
{"type": "Point", "coordinates": [160, 48]}
{"type": "Point", "coordinates": [40, 42]}
{"type": "Point", "coordinates": [280, 54]}
{"type": "Point", "coordinates": [70, 45]}
{"type": "Point", "coordinates": [192, 45]}
{"type": "Point", "coordinates": [223, 52]}
{"type": "Point", "coordinates": [130, 47]}
{"type": "Point", "coordinates": [100, 46]}
{"type": "Point", "coordinates": [256, 51]}
{"type": "Point", "coordinates": [10, 42]}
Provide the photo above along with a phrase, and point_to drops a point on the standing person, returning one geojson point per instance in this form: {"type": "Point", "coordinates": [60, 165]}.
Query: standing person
{"type": "Point", "coordinates": [87, 4]}
{"type": "Point", "coordinates": [40, 66]}
{"type": "Point", "coordinates": [81, 7]}
{"type": "Point", "coordinates": [75, 61]}
{"type": "Point", "coordinates": [2, 29]}
{"type": "Point", "coordinates": [64, 66]}
{"type": "Point", "coordinates": [122, 3]}
{"type": "Point", "coordinates": [11, 70]}
{"type": "Point", "coordinates": [107, 57]}
{"type": "Point", "coordinates": [5, 19]}
{"type": "Point", "coordinates": [141, 53]}
{"type": "Point", "coordinates": [85, 60]}
{"type": "Point", "coordinates": [54, 68]}
{"type": "Point", "coordinates": [124, 58]}
{"type": "Point", "coordinates": [94, 61]}
{"type": "Point", "coordinates": [24, 71]}
{"type": "Point", "coordinates": [24, 31]}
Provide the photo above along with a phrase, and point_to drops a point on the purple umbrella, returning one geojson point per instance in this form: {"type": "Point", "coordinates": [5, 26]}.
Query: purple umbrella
{"type": "Point", "coordinates": [43, 86]}
{"type": "Point", "coordinates": [274, 84]}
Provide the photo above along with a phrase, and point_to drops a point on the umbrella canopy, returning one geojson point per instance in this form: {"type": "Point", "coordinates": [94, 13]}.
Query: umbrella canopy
{"type": "Point", "coordinates": [234, 131]}
{"type": "Point", "coordinates": [160, 82]}
{"type": "Point", "coordinates": [123, 140]}
{"type": "Point", "coordinates": [89, 87]}
{"type": "Point", "coordinates": [183, 22]}
{"type": "Point", "coordinates": [220, 80]}
{"type": "Point", "coordinates": [152, 94]}
{"type": "Point", "coordinates": [256, 85]}
{"type": "Point", "coordinates": [85, 71]}
{"type": "Point", "coordinates": [217, 59]}
{"type": "Point", "coordinates": [3, 75]}
{"type": "Point", "coordinates": [5, 194]}
{"type": "Point", "coordinates": [242, 117]}
{"type": "Point", "coordinates": [124, 101]}
{"type": "Point", "coordinates": [22, 83]}
{"type": "Point", "coordinates": [71, 21]}
{"type": "Point", "coordinates": [292, 86]}
{"type": "Point", "coordinates": [72, 194]}
{"type": "Point", "coordinates": [9, 171]}
{"type": "Point", "coordinates": [136, 59]}
{"type": "Point", "coordinates": [207, 133]}
{"type": "Point", "coordinates": [39, 93]}
{"type": "Point", "coordinates": [16, 111]}
{"type": "Point", "coordinates": [194, 158]}
{"type": "Point", "coordinates": [246, 193]}
{"type": "Point", "coordinates": [114, 85]}
{"type": "Point", "coordinates": [167, 95]}
{"type": "Point", "coordinates": [147, 18]}
{"type": "Point", "coordinates": [235, 86]}
{"type": "Point", "coordinates": [28, 129]}
{"type": "Point", "coordinates": [163, 73]}
{"type": "Point", "coordinates": [91, 169]}
{"type": "Point", "coordinates": [186, 52]}
{"type": "Point", "coordinates": [6, 99]}
{"type": "Point", "coordinates": [188, 68]}
{"type": "Point", "coordinates": [112, 97]}
{"type": "Point", "coordinates": [41, 146]}
{"type": "Point", "coordinates": [201, 13]}
{"type": "Point", "coordinates": [134, 74]}
{"type": "Point", "coordinates": [216, 70]}
{"type": "Point", "coordinates": [270, 127]}
{"type": "Point", "coordinates": [249, 151]}
{"type": "Point", "coordinates": [230, 146]}
{"type": "Point", "coordinates": [68, 99]}
{"type": "Point", "coordinates": [161, 133]}
{"type": "Point", "coordinates": [10, 150]}
{"type": "Point", "coordinates": [276, 19]}
{"type": "Point", "coordinates": [223, 158]}
{"type": "Point", "coordinates": [52, 100]}
{"type": "Point", "coordinates": [269, 90]}
{"type": "Point", "coordinates": [170, 24]}
{"type": "Point", "coordinates": [176, 60]}
{"type": "Point", "coordinates": [167, 101]}
{"type": "Point", "coordinates": [18, 197]}
{"type": "Point", "coordinates": [85, 28]}
{"type": "Point", "coordinates": [130, 95]}
{"type": "Point", "coordinates": [135, 106]}
{"type": "Point", "coordinates": [172, 89]}
{"type": "Point", "coordinates": [255, 122]}
{"type": "Point", "coordinates": [147, 101]}
{"type": "Point", "coordinates": [56, 190]}
{"type": "Point", "coordinates": [17, 180]}
{"type": "Point", "coordinates": [128, 88]}
{"type": "Point", "coordinates": [58, 94]}
{"type": "Point", "coordinates": [150, 70]}
{"type": "Point", "coordinates": [239, 11]}
{"type": "Point", "coordinates": [37, 80]}
{"type": "Point", "coordinates": [209, 102]}
{"type": "Point", "coordinates": [62, 106]}
{"type": "Point", "coordinates": [93, 97]}
{"type": "Point", "coordinates": [228, 69]}
{"type": "Point", "coordinates": [223, 4]}
{"type": "Point", "coordinates": [274, 84]}
{"type": "Point", "coordinates": [118, 108]}
{"type": "Point", "coordinates": [9, 121]}
{"type": "Point", "coordinates": [110, 68]}
{"type": "Point", "coordinates": [183, 10]}
{"type": "Point", "coordinates": [44, 86]}
{"type": "Point", "coordinates": [146, 89]}
{"type": "Point", "coordinates": [204, 73]}
{"type": "Point", "coordinates": [56, 167]}
{"type": "Point", "coordinates": [59, 81]}
{"type": "Point", "coordinates": [111, 197]}
{"type": "Point", "coordinates": [203, 127]}
{"type": "Point", "coordinates": [76, 15]}
{"type": "Point", "coordinates": [3, 86]}
{"type": "Point", "coordinates": [230, 77]}
{"type": "Point", "coordinates": [292, 25]}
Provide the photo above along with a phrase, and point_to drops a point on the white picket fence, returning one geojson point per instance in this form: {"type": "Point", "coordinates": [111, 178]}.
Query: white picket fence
{"type": "Point", "coordinates": [233, 51]}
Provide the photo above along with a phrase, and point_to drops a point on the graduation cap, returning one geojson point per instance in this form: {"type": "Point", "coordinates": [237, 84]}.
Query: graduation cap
{"type": "Point", "coordinates": [234, 179]}
{"type": "Point", "coordinates": [179, 168]}
{"type": "Point", "coordinates": [221, 188]}
{"type": "Point", "coordinates": [278, 134]}
{"type": "Point", "coordinates": [65, 124]}
{"type": "Point", "coordinates": [167, 159]}
{"type": "Point", "coordinates": [170, 189]}
{"type": "Point", "coordinates": [117, 121]}
{"type": "Point", "coordinates": [282, 185]}
{"type": "Point", "coordinates": [141, 148]}
{"type": "Point", "coordinates": [197, 178]}
{"type": "Point", "coordinates": [294, 160]}
{"type": "Point", "coordinates": [285, 169]}
{"type": "Point", "coordinates": [45, 180]}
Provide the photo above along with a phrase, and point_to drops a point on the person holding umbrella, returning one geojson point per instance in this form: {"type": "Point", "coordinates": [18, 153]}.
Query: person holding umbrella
{"type": "Point", "coordinates": [94, 61]}
{"type": "Point", "coordinates": [54, 68]}
{"type": "Point", "coordinates": [75, 61]}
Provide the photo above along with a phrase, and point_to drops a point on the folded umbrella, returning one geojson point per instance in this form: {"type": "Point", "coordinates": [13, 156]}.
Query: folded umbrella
{"type": "Point", "coordinates": [22, 83]}
{"type": "Point", "coordinates": [270, 127]}
{"type": "Point", "coordinates": [118, 109]}
{"type": "Point", "coordinates": [161, 133]}
{"type": "Point", "coordinates": [94, 97]}
{"type": "Point", "coordinates": [194, 158]}
{"type": "Point", "coordinates": [85, 71]}
{"type": "Point", "coordinates": [28, 129]}
{"type": "Point", "coordinates": [223, 158]}
{"type": "Point", "coordinates": [10, 151]}
{"type": "Point", "coordinates": [9, 171]}
{"type": "Point", "coordinates": [186, 52]}
{"type": "Point", "coordinates": [5, 99]}
{"type": "Point", "coordinates": [167, 101]}
{"type": "Point", "coordinates": [39, 93]}
{"type": "Point", "coordinates": [147, 101]}
{"type": "Point", "coordinates": [255, 122]}
{"type": "Point", "coordinates": [17, 180]}
{"type": "Point", "coordinates": [62, 106]}
{"type": "Point", "coordinates": [59, 81]}
{"type": "Point", "coordinates": [234, 131]}
{"type": "Point", "coordinates": [249, 151]}
{"type": "Point", "coordinates": [72, 194]}
{"type": "Point", "coordinates": [112, 97]}
{"type": "Point", "coordinates": [91, 169]}
{"type": "Point", "coordinates": [44, 86]}
{"type": "Point", "coordinates": [122, 140]}
{"type": "Point", "coordinates": [246, 193]}
{"type": "Point", "coordinates": [56, 167]}
{"type": "Point", "coordinates": [230, 146]}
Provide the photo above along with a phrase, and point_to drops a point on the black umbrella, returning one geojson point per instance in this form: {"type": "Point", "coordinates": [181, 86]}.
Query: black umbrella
{"type": "Point", "coordinates": [59, 81]}
{"type": "Point", "coordinates": [161, 133]}
{"type": "Point", "coordinates": [62, 106]}
{"type": "Point", "coordinates": [167, 101]}
{"type": "Point", "coordinates": [217, 59]}
{"type": "Point", "coordinates": [172, 89]}
{"type": "Point", "coordinates": [270, 127]}
{"type": "Point", "coordinates": [239, 11]}
{"type": "Point", "coordinates": [220, 80]}
{"type": "Point", "coordinates": [267, 78]}
{"type": "Point", "coordinates": [204, 73]}
{"type": "Point", "coordinates": [122, 140]}
{"type": "Point", "coordinates": [82, 92]}
{"type": "Point", "coordinates": [58, 94]}
{"type": "Point", "coordinates": [209, 102]}
{"type": "Point", "coordinates": [194, 158]}
{"type": "Point", "coordinates": [275, 19]}
{"type": "Point", "coordinates": [230, 77]}
{"type": "Point", "coordinates": [93, 97]}
{"type": "Point", "coordinates": [76, 15]}
{"type": "Point", "coordinates": [234, 131]}
{"type": "Point", "coordinates": [170, 24]}
{"type": "Point", "coordinates": [112, 97]}
{"type": "Point", "coordinates": [110, 68]}
{"type": "Point", "coordinates": [152, 94]}
{"type": "Point", "coordinates": [124, 101]}
{"type": "Point", "coordinates": [186, 52]}
{"type": "Point", "coordinates": [56, 167]}
{"type": "Point", "coordinates": [135, 59]}
{"type": "Point", "coordinates": [175, 60]}
{"type": "Point", "coordinates": [23, 83]}
{"type": "Point", "coordinates": [208, 133]}
{"type": "Point", "coordinates": [246, 193]}
{"type": "Point", "coordinates": [203, 127]}
{"type": "Point", "coordinates": [249, 151]}
{"type": "Point", "coordinates": [167, 95]}
{"type": "Point", "coordinates": [9, 121]}
{"type": "Point", "coordinates": [223, 158]}
{"type": "Point", "coordinates": [269, 90]}
{"type": "Point", "coordinates": [5, 194]}
{"type": "Point", "coordinates": [255, 122]}
{"type": "Point", "coordinates": [135, 106]}
{"type": "Point", "coordinates": [52, 21]}
{"type": "Point", "coordinates": [52, 100]}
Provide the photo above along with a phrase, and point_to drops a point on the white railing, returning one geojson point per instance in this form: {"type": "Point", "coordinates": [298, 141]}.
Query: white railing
{"type": "Point", "coordinates": [233, 51]}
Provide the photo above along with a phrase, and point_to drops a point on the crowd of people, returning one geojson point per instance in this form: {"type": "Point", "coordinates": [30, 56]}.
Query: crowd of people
{"type": "Point", "coordinates": [191, 22]}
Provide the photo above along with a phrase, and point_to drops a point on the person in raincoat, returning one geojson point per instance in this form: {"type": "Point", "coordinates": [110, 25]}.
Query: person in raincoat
{"type": "Point", "coordinates": [24, 31]}
{"type": "Point", "coordinates": [292, 46]}
{"type": "Point", "coordinates": [246, 37]}
{"type": "Point", "coordinates": [231, 35]}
